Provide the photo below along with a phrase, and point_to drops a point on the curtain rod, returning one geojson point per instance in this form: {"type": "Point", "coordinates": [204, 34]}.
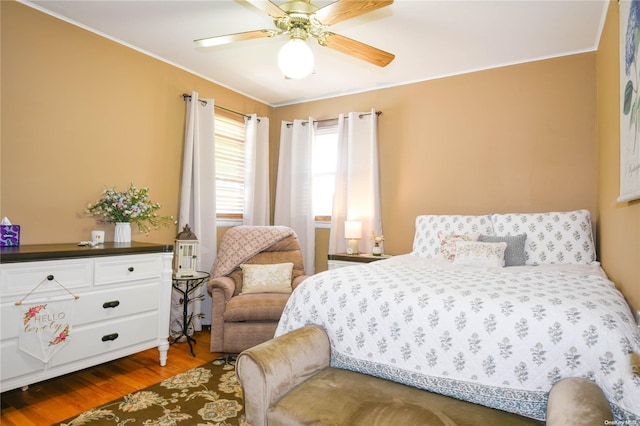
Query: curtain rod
{"type": "Point", "coordinates": [335, 119]}
{"type": "Point", "coordinates": [203, 102]}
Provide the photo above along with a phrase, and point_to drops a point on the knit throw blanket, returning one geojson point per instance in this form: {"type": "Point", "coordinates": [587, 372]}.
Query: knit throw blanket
{"type": "Point", "coordinates": [241, 243]}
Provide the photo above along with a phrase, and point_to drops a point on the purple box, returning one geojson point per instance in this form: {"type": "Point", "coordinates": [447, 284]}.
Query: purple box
{"type": "Point", "coordinates": [9, 235]}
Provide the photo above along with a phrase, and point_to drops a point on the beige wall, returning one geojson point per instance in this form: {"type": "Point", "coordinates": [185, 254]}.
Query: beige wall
{"type": "Point", "coordinates": [80, 112]}
{"type": "Point", "coordinates": [619, 223]}
{"type": "Point", "coordinates": [512, 139]}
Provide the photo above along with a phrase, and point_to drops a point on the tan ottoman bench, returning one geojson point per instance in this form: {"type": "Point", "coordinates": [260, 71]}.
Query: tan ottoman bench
{"type": "Point", "coordinates": [288, 381]}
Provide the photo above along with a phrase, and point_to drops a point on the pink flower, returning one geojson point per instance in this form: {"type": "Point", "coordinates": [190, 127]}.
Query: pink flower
{"type": "Point", "coordinates": [61, 337]}
{"type": "Point", "coordinates": [32, 312]}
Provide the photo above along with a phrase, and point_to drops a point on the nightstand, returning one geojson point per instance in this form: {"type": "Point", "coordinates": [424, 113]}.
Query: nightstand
{"type": "Point", "coordinates": [340, 260]}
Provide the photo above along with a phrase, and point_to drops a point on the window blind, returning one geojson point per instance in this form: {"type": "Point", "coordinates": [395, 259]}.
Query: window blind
{"type": "Point", "coordinates": [229, 140]}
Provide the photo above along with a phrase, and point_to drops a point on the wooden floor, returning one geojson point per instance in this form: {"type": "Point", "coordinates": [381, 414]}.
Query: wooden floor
{"type": "Point", "coordinates": [54, 400]}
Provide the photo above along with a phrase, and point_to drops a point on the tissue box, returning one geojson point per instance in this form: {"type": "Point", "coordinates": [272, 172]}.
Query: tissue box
{"type": "Point", "coordinates": [9, 235]}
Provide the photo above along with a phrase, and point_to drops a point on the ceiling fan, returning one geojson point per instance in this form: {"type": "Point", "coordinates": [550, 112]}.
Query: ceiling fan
{"type": "Point", "coordinates": [300, 19]}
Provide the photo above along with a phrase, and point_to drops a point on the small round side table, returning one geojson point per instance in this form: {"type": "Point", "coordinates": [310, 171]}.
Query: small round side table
{"type": "Point", "coordinates": [186, 286]}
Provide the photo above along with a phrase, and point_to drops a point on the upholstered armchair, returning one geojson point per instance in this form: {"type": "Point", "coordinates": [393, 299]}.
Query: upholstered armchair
{"type": "Point", "coordinates": [248, 300]}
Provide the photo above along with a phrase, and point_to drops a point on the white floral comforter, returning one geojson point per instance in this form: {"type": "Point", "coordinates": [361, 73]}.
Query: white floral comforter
{"type": "Point", "coordinates": [497, 337]}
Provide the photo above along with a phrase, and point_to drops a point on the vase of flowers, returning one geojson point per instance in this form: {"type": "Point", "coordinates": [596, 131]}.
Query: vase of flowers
{"type": "Point", "coordinates": [377, 239]}
{"type": "Point", "coordinates": [126, 207]}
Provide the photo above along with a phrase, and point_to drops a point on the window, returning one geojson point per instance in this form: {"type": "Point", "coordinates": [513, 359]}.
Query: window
{"type": "Point", "coordinates": [325, 162]}
{"type": "Point", "coordinates": [229, 136]}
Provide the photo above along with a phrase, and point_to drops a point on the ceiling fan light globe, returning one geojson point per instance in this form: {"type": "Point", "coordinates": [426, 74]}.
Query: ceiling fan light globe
{"type": "Point", "coordinates": [295, 59]}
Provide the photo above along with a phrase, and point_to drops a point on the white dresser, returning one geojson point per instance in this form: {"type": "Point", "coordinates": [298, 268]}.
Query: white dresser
{"type": "Point", "coordinates": [123, 306]}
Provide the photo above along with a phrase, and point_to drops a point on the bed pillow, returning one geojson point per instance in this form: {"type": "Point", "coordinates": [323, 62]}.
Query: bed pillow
{"type": "Point", "coordinates": [426, 242]}
{"type": "Point", "coordinates": [555, 237]}
{"type": "Point", "coordinates": [271, 278]}
{"type": "Point", "coordinates": [514, 254]}
{"type": "Point", "coordinates": [449, 243]}
{"type": "Point", "coordinates": [476, 253]}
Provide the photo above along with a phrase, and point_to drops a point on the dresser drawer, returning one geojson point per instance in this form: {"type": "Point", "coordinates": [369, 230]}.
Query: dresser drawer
{"type": "Point", "coordinates": [115, 270]}
{"type": "Point", "coordinates": [115, 303]}
{"type": "Point", "coordinates": [84, 342]}
{"type": "Point", "coordinates": [18, 280]}
{"type": "Point", "coordinates": [87, 341]}
{"type": "Point", "coordinates": [91, 307]}
{"type": "Point", "coordinates": [10, 322]}
{"type": "Point", "coordinates": [14, 362]}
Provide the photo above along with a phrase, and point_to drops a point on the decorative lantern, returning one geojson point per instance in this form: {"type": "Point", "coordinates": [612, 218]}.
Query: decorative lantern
{"type": "Point", "coordinates": [185, 254]}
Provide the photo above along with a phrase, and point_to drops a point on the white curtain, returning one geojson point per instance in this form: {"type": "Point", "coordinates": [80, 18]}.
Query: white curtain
{"type": "Point", "coordinates": [357, 191]}
{"type": "Point", "coordinates": [198, 191]}
{"type": "Point", "coordinates": [294, 187]}
{"type": "Point", "coordinates": [256, 171]}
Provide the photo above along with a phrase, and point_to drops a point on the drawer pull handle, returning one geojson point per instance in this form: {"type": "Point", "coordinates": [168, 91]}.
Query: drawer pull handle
{"type": "Point", "coordinates": [50, 277]}
{"type": "Point", "coordinates": [109, 337]}
{"type": "Point", "coordinates": [131, 269]}
{"type": "Point", "coordinates": [111, 304]}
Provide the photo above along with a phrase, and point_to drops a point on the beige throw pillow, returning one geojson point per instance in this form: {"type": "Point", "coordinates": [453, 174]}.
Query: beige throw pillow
{"type": "Point", "coordinates": [448, 243]}
{"type": "Point", "coordinates": [474, 253]}
{"type": "Point", "coordinates": [272, 278]}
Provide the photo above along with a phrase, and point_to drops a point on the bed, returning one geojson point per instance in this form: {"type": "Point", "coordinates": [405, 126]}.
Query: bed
{"type": "Point", "coordinates": [490, 309]}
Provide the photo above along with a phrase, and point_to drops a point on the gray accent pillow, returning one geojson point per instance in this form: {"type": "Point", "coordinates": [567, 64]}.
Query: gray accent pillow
{"type": "Point", "coordinates": [514, 254]}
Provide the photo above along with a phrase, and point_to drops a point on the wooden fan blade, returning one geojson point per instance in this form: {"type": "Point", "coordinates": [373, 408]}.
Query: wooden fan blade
{"type": "Point", "coordinates": [342, 10]}
{"type": "Point", "coordinates": [356, 49]}
{"type": "Point", "coordinates": [230, 38]}
{"type": "Point", "coordinates": [268, 7]}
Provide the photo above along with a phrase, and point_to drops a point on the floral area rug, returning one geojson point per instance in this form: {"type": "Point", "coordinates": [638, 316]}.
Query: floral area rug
{"type": "Point", "coordinates": [209, 395]}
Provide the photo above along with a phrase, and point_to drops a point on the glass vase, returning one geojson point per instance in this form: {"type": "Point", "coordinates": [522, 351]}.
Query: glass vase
{"type": "Point", "coordinates": [377, 250]}
{"type": "Point", "coordinates": [122, 233]}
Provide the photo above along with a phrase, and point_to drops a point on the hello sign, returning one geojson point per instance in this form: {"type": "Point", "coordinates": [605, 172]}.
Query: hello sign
{"type": "Point", "coordinates": [45, 328]}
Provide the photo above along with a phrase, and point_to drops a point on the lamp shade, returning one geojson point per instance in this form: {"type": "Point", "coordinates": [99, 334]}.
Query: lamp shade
{"type": "Point", "coordinates": [352, 229]}
{"type": "Point", "coordinates": [295, 59]}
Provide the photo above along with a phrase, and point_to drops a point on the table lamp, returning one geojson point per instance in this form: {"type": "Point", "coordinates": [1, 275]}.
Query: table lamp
{"type": "Point", "coordinates": [353, 232]}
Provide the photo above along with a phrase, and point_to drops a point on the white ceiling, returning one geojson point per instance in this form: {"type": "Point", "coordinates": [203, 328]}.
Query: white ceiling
{"type": "Point", "coordinates": [430, 38]}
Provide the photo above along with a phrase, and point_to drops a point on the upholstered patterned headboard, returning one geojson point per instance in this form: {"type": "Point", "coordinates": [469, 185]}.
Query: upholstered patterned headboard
{"type": "Point", "coordinates": [552, 237]}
